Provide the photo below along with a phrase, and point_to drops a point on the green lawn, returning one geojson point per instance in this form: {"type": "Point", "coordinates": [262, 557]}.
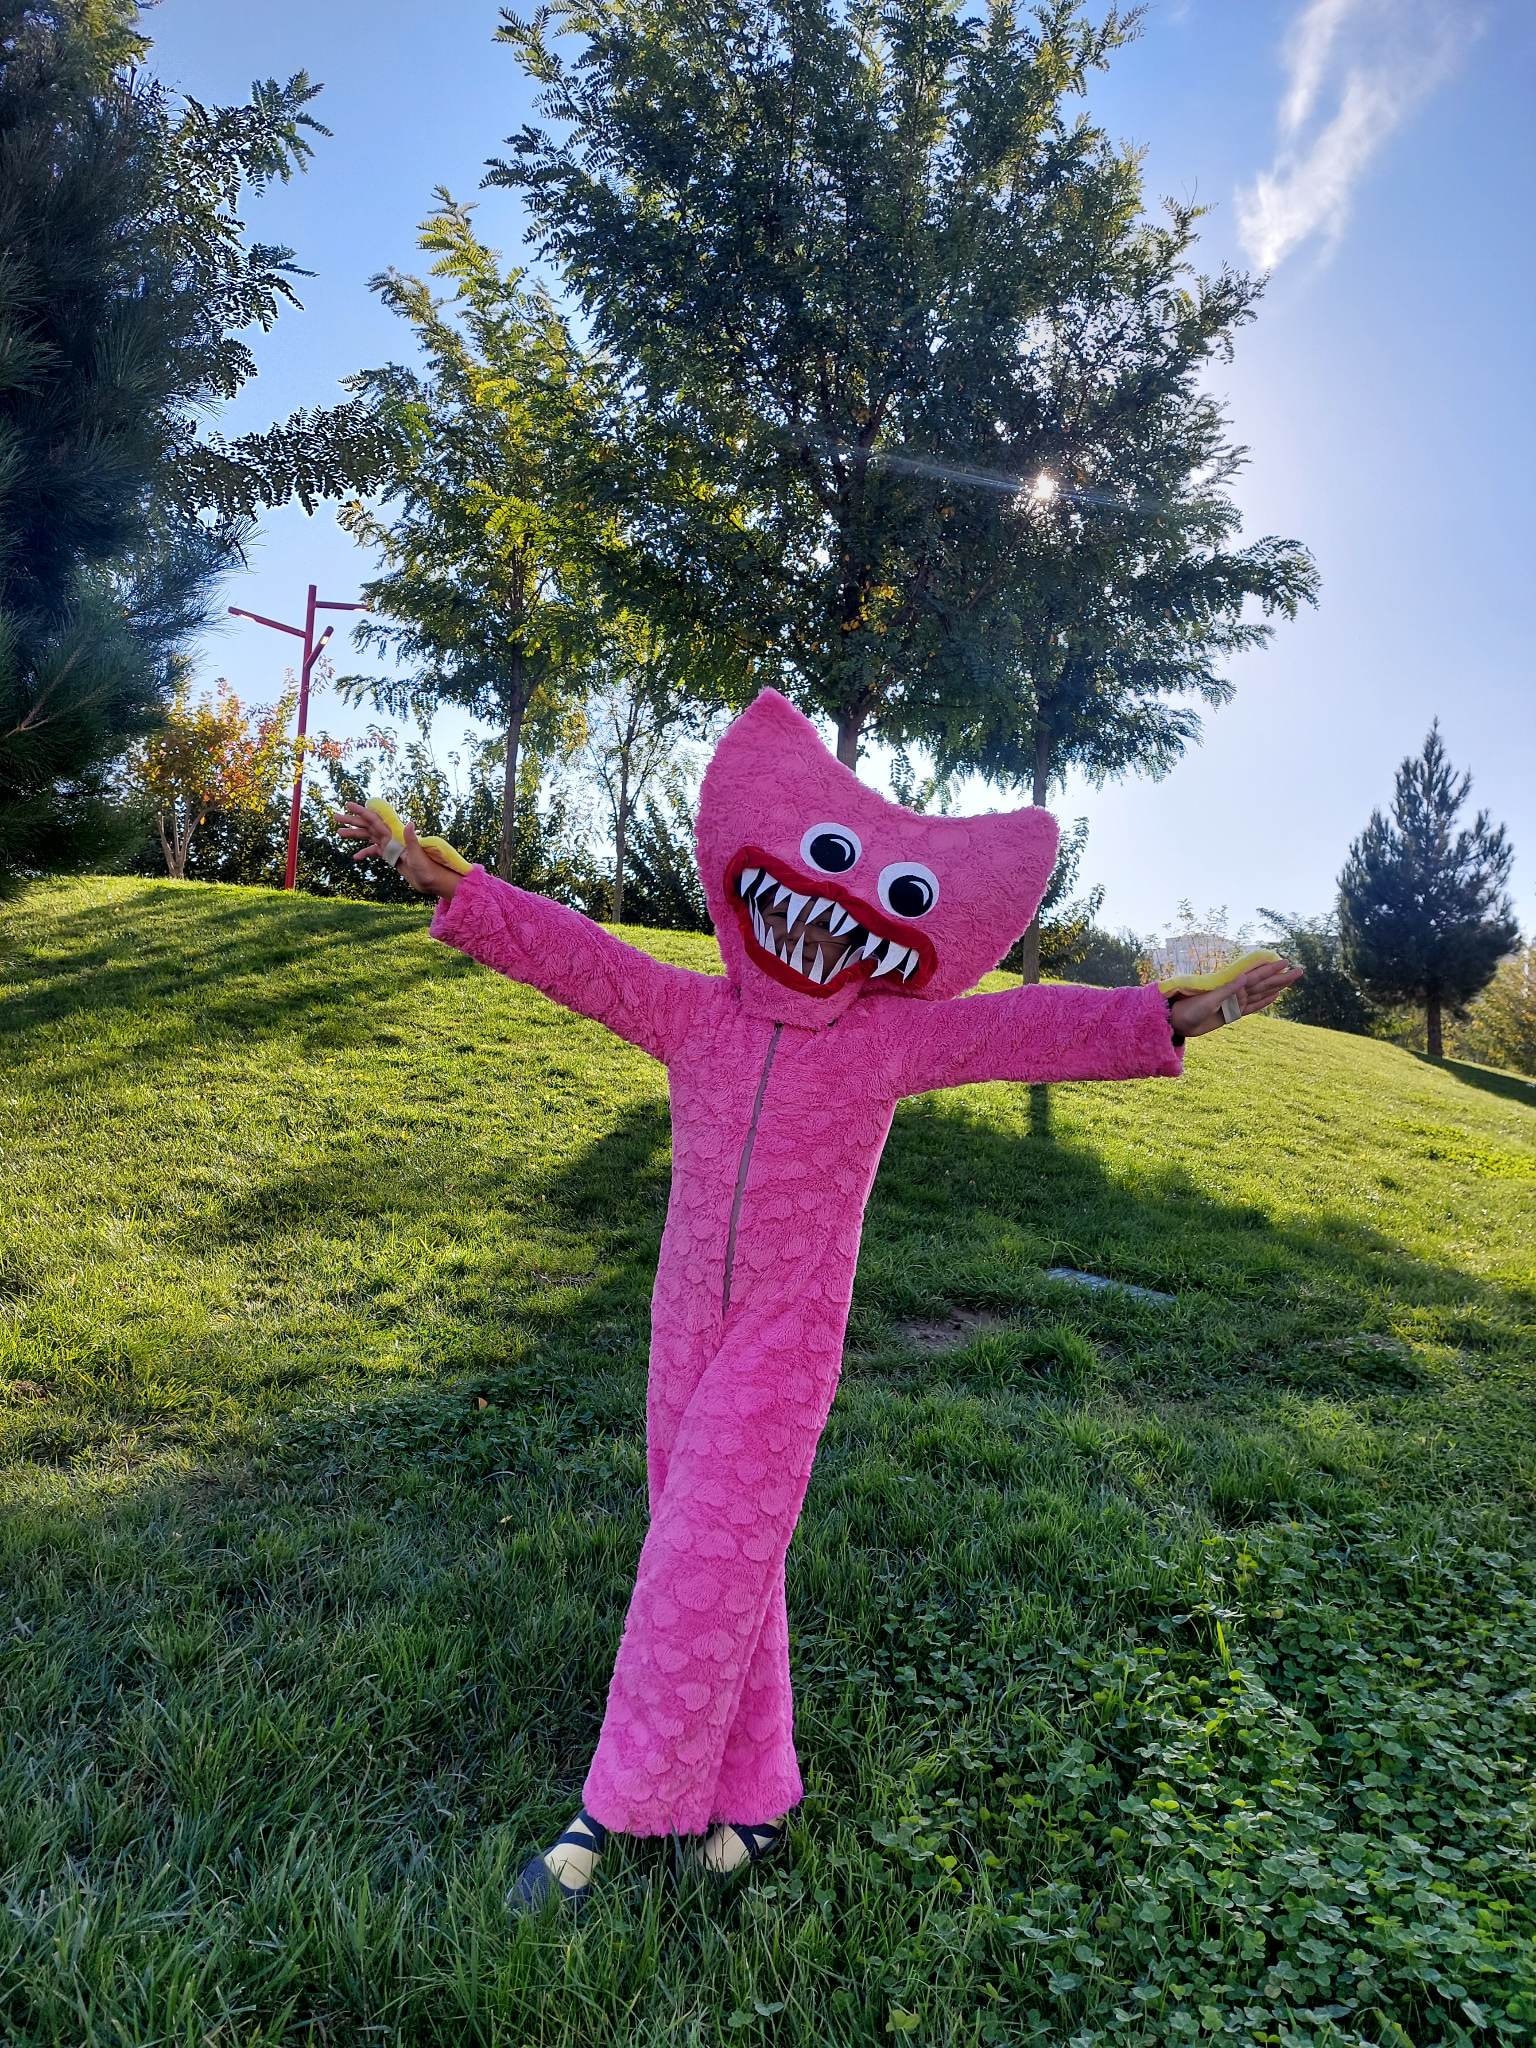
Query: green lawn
{"type": "Point", "coordinates": [1164, 1674]}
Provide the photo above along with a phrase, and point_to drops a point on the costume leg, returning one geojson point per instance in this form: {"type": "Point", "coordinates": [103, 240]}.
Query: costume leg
{"type": "Point", "coordinates": [710, 1570]}
{"type": "Point", "coordinates": [759, 1773]}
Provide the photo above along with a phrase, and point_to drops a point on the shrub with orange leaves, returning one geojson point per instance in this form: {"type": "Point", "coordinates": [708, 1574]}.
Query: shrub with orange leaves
{"type": "Point", "coordinates": [211, 755]}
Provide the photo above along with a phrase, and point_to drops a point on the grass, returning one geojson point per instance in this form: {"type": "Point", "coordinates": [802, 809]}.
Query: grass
{"type": "Point", "coordinates": [1164, 1674]}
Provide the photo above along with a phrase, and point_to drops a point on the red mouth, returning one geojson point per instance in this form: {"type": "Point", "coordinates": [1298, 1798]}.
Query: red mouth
{"type": "Point", "coordinates": [811, 934]}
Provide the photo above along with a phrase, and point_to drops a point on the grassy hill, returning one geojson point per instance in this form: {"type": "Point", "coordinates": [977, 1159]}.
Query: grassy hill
{"type": "Point", "coordinates": [1164, 1673]}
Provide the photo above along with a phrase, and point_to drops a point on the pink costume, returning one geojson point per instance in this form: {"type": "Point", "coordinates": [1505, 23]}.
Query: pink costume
{"type": "Point", "coordinates": [850, 929]}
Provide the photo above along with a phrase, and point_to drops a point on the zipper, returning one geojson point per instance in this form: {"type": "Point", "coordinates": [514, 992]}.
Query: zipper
{"type": "Point", "coordinates": [745, 1163]}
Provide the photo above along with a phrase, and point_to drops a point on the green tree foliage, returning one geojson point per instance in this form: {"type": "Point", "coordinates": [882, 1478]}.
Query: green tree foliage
{"type": "Point", "coordinates": [662, 888]}
{"type": "Point", "coordinates": [1066, 921]}
{"type": "Point", "coordinates": [871, 267]}
{"type": "Point", "coordinates": [1109, 959]}
{"type": "Point", "coordinates": [127, 287]}
{"type": "Point", "coordinates": [492, 529]}
{"type": "Point", "coordinates": [1330, 995]}
{"type": "Point", "coordinates": [1423, 911]}
{"type": "Point", "coordinates": [1500, 1028]}
{"type": "Point", "coordinates": [640, 716]}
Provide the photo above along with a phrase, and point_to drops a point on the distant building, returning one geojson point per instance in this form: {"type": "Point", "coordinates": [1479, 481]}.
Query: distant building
{"type": "Point", "coordinates": [1191, 953]}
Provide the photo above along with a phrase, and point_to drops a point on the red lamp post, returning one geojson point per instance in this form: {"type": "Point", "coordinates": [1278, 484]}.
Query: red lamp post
{"type": "Point", "coordinates": [312, 652]}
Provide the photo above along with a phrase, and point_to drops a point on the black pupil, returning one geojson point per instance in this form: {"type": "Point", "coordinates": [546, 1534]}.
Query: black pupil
{"type": "Point", "coordinates": [910, 895]}
{"type": "Point", "coordinates": [832, 852]}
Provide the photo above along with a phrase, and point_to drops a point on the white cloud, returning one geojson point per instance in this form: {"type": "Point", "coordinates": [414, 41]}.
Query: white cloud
{"type": "Point", "coordinates": [1312, 37]}
{"type": "Point", "coordinates": [1355, 70]}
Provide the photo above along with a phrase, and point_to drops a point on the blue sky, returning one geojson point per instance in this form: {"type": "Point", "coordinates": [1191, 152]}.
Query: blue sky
{"type": "Point", "coordinates": [1376, 155]}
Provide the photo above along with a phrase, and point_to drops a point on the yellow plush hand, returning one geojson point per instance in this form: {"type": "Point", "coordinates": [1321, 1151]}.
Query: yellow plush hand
{"type": "Point", "coordinates": [445, 855]}
{"type": "Point", "coordinates": [1199, 984]}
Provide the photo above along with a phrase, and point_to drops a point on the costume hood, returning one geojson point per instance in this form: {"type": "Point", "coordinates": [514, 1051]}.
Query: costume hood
{"type": "Point", "coordinates": [824, 893]}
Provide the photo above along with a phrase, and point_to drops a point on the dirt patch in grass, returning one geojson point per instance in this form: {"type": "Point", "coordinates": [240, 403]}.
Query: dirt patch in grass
{"type": "Point", "coordinates": [947, 1332]}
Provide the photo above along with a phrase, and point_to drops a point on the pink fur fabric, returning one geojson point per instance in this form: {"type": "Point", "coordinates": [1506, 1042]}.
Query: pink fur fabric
{"type": "Point", "coordinates": [850, 928]}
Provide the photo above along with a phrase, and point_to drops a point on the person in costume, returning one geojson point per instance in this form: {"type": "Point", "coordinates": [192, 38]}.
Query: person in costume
{"type": "Point", "coordinates": [850, 930]}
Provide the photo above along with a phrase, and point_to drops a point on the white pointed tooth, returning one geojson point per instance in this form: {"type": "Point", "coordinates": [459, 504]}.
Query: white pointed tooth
{"type": "Point", "coordinates": [748, 877]}
{"type": "Point", "coordinates": [814, 970]}
{"type": "Point", "coordinates": [783, 896]}
{"type": "Point", "coordinates": [772, 944]}
{"type": "Point", "coordinates": [871, 945]}
{"type": "Point", "coordinates": [766, 884]}
{"type": "Point", "coordinates": [796, 905]}
{"type": "Point", "coordinates": [822, 903]}
{"type": "Point", "coordinates": [797, 958]}
{"type": "Point", "coordinates": [907, 971]}
{"type": "Point", "coordinates": [893, 958]}
{"type": "Point", "coordinates": [843, 960]}
{"type": "Point", "coordinates": [839, 921]}
{"type": "Point", "coordinates": [757, 924]}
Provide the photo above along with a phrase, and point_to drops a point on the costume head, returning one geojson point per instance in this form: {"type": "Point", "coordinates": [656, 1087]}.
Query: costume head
{"type": "Point", "coordinates": [824, 893]}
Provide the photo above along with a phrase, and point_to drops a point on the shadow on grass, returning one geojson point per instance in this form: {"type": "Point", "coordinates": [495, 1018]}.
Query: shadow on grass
{"type": "Point", "coordinates": [1493, 1080]}
{"type": "Point", "coordinates": [184, 968]}
{"type": "Point", "coordinates": [971, 1214]}
{"type": "Point", "coordinates": [435, 1572]}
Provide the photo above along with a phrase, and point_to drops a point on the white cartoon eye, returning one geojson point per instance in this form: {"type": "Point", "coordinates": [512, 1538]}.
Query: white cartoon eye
{"type": "Point", "coordinates": [832, 848]}
{"type": "Point", "coordinates": [908, 889]}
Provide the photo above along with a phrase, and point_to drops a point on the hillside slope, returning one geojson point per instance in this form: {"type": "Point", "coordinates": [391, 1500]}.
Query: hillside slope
{"type": "Point", "coordinates": [1176, 1657]}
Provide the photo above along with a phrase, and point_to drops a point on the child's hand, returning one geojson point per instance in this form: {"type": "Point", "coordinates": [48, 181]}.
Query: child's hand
{"type": "Point", "coordinates": [1256, 990]}
{"type": "Point", "coordinates": [418, 868]}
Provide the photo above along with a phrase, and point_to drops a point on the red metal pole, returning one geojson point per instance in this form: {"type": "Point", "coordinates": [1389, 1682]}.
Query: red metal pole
{"type": "Point", "coordinates": [310, 651]}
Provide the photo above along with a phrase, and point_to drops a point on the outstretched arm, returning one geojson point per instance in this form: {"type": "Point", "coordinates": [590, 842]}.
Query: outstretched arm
{"type": "Point", "coordinates": [1042, 1032]}
{"type": "Point", "coordinates": [1064, 1032]}
{"type": "Point", "coordinates": [546, 945]}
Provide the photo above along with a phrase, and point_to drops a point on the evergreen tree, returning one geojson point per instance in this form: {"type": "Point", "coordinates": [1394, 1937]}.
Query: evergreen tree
{"type": "Point", "coordinates": [1423, 912]}
{"type": "Point", "coordinates": [126, 287]}
{"type": "Point", "coordinates": [869, 267]}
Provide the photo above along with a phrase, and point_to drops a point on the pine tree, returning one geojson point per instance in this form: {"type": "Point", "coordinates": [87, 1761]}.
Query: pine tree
{"type": "Point", "coordinates": [126, 287]}
{"type": "Point", "coordinates": [1423, 911]}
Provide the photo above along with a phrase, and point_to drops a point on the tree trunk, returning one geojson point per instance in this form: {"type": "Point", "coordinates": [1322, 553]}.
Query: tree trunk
{"type": "Point", "coordinates": [505, 851]}
{"type": "Point", "coordinates": [176, 845]}
{"type": "Point", "coordinates": [1029, 965]}
{"type": "Point", "coordinates": [620, 849]}
{"type": "Point", "coordinates": [1432, 1038]}
{"type": "Point", "coordinates": [848, 730]}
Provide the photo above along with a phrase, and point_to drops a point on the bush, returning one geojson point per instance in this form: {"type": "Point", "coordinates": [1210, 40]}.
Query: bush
{"type": "Point", "coordinates": [1329, 995]}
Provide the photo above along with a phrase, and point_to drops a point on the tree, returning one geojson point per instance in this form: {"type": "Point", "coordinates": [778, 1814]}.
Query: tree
{"type": "Point", "coordinates": [1329, 995]}
{"type": "Point", "coordinates": [1501, 1023]}
{"type": "Point", "coordinates": [211, 755]}
{"type": "Point", "coordinates": [1423, 912]}
{"type": "Point", "coordinates": [1065, 921]}
{"type": "Point", "coordinates": [1110, 959]}
{"type": "Point", "coordinates": [126, 290]}
{"type": "Point", "coordinates": [656, 692]}
{"type": "Point", "coordinates": [495, 528]}
{"type": "Point", "coordinates": [869, 267]}
{"type": "Point", "coordinates": [663, 889]}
